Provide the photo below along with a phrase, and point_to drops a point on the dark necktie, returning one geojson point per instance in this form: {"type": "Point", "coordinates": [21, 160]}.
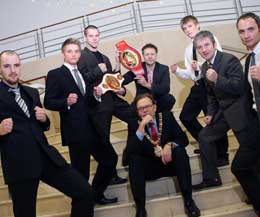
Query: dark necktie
{"type": "Point", "coordinates": [252, 62]}
{"type": "Point", "coordinates": [154, 134]}
{"type": "Point", "coordinates": [20, 101]}
{"type": "Point", "coordinates": [78, 81]}
{"type": "Point", "coordinates": [194, 57]}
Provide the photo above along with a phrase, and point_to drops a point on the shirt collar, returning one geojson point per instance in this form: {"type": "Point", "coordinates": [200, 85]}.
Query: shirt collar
{"type": "Point", "coordinates": [256, 49]}
{"type": "Point", "coordinates": [213, 59]}
{"type": "Point", "coordinates": [69, 66]}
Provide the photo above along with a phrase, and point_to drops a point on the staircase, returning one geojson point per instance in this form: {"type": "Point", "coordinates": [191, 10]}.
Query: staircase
{"type": "Point", "coordinates": [163, 195]}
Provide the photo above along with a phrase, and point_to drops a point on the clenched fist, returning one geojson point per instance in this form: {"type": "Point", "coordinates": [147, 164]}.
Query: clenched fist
{"type": "Point", "coordinates": [6, 126]}
{"type": "Point", "coordinates": [40, 114]}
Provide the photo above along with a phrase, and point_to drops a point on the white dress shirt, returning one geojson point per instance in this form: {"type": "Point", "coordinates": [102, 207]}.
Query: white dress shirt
{"type": "Point", "coordinates": [70, 67]}
{"type": "Point", "coordinates": [257, 62]}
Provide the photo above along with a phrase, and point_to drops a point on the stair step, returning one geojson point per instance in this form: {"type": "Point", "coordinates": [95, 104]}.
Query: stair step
{"type": "Point", "coordinates": [157, 188]}
{"type": "Point", "coordinates": [233, 210]}
{"type": "Point", "coordinates": [170, 205]}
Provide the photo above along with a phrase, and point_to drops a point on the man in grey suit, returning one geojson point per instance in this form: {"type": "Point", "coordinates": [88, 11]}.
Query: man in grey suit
{"type": "Point", "coordinates": [245, 166]}
{"type": "Point", "coordinates": [228, 105]}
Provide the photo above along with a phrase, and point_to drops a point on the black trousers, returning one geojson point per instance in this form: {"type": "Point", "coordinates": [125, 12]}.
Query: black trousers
{"type": "Point", "coordinates": [65, 179]}
{"type": "Point", "coordinates": [165, 102]}
{"type": "Point", "coordinates": [194, 104]}
{"type": "Point", "coordinates": [102, 149]}
{"type": "Point", "coordinates": [245, 165]}
{"type": "Point", "coordinates": [142, 168]}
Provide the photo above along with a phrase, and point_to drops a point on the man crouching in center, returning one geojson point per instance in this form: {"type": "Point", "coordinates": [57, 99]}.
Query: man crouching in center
{"type": "Point", "coordinates": [155, 149]}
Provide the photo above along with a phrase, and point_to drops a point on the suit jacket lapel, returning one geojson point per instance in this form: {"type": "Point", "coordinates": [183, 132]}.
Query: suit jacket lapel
{"type": "Point", "coordinates": [67, 74]}
{"type": "Point", "coordinates": [217, 62]}
{"type": "Point", "coordinates": [156, 73]}
{"type": "Point", "coordinates": [9, 99]}
{"type": "Point", "coordinates": [145, 71]}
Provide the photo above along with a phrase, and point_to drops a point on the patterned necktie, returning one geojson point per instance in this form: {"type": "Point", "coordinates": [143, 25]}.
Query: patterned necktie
{"type": "Point", "coordinates": [154, 134]}
{"type": "Point", "coordinates": [78, 81]}
{"type": "Point", "coordinates": [194, 57]}
{"type": "Point", "coordinates": [20, 100]}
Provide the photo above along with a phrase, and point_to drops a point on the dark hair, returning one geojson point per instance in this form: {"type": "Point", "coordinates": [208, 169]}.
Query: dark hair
{"type": "Point", "coordinates": [249, 15]}
{"type": "Point", "coordinates": [90, 27]}
{"type": "Point", "coordinates": [149, 45]}
{"type": "Point", "coordinates": [8, 52]}
{"type": "Point", "coordinates": [142, 96]}
{"type": "Point", "coordinates": [70, 41]}
{"type": "Point", "coordinates": [203, 34]}
{"type": "Point", "coordinates": [188, 18]}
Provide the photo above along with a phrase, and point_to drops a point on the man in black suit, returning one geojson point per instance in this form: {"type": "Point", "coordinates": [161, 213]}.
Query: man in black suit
{"type": "Point", "coordinates": [68, 92]}
{"type": "Point", "coordinates": [156, 79]}
{"type": "Point", "coordinates": [26, 155]}
{"type": "Point", "coordinates": [156, 148]}
{"type": "Point", "coordinates": [246, 163]}
{"type": "Point", "coordinates": [93, 64]}
{"type": "Point", "coordinates": [227, 105]}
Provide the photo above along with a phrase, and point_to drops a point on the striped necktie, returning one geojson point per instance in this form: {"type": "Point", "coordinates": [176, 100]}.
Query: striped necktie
{"type": "Point", "coordinates": [78, 81]}
{"type": "Point", "coordinates": [20, 100]}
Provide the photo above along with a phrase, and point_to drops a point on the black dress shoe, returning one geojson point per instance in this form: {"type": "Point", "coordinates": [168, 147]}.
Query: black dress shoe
{"type": "Point", "coordinates": [141, 212]}
{"type": "Point", "coordinates": [222, 162]}
{"type": "Point", "coordinates": [206, 183]}
{"type": "Point", "coordinates": [117, 180]}
{"type": "Point", "coordinates": [197, 151]}
{"type": "Point", "coordinates": [103, 200]}
{"type": "Point", "coordinates": [191, 209]}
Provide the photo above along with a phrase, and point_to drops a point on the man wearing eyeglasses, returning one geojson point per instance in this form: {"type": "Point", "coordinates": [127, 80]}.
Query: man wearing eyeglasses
{"type": "Point", "coordinates": [156, 148]}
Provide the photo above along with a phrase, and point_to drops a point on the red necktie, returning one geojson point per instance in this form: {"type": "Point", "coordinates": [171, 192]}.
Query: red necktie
{"type": "Point", "coordinates": [154, 134]}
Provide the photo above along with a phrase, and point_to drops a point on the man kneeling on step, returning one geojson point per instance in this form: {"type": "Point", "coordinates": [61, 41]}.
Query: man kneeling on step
{"type": "Point", "coordinates": [156, 148]}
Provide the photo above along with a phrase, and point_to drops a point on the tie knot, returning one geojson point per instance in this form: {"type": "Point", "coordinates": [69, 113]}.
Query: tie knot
{"type": "Point", "coordinates": [151, 124]}
{"type": "Point", "coordinates": [75, 70]}
{"type": "Point", "coordinates": [15, 90]}
{"type": "Point", "coordinates": [252, 54]}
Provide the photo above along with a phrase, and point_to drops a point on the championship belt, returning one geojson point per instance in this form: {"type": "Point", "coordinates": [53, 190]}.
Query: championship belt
{"type": "Point", "coordinates": [130, 58]}
{"type": "Point", "coordinates": [111, 82]}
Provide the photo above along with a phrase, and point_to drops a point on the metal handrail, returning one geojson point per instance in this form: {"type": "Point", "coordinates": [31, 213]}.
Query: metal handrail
{"type": "Point", "coordinates": [141, 16]}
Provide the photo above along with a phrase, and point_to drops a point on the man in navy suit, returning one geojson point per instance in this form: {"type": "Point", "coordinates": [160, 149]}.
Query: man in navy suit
{"type": "Point", "coordinates": [69, 93]}
{"type": "Point", "coordinates": [156, 79]}
{"type": "Point", "coordinates": [26, 155]}
{"type": "Point", "coordinates": [156, 148]}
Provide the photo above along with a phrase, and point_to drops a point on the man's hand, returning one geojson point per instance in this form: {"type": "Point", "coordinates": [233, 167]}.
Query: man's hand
{"type": "Point", "coordinates": [120, 91]}
{"type": "Point", "coordinates": [141, 80]}
{"type": "Point", "coordinates": [102, 67]}
{"type": "Point", "coordinates": [255, 72]}
{"type": "Point", "coordinates": [97, 91]}
{"type": "Point", "coordinates": [72, 99]}
{"type": "Point", "coordinates": [212, 75]}
{"type": "Point", "coordinates": [6, 126]}
{"type": "Point", "coordinates": [194, 65]}
{"type": "Point", "coordinates": [173, 68]}
{"type": "Point", "coordinates": [146, 119]}
{"type": "Point", "coordinates": [167, 154]}
{"type": "Point", "coordinates": [40, 114]}
{"type": "Point", "coordinates": [208, 119]}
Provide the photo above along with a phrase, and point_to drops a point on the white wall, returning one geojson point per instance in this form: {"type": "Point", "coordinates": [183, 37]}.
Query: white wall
{"type": "Point", "coordinates": [17, 16]}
